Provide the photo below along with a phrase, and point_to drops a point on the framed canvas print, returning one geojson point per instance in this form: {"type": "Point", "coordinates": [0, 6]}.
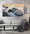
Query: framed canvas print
{"type": "Point", "coordinates": [13, 10]}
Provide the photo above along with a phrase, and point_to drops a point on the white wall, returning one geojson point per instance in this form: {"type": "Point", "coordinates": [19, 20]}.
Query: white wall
{"type": "Point", "coordinates": [11, 2]}
{"type": "Point", "coordinates": [7, 20]}
{"type": "Point", "coordinates": [4, 2]}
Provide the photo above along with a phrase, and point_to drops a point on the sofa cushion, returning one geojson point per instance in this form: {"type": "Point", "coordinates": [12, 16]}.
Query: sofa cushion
{"type": "Point", "coordinates": [7, 21]}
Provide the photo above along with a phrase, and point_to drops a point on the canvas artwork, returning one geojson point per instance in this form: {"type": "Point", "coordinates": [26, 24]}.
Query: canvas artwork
{"type": "Point", "coordinates": [13, 10]}
{"type": "Point", "coordinates": [28, 9]}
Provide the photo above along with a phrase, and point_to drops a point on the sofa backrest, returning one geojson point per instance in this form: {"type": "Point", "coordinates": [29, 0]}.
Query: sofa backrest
{"type": "Point", "coordinates": [16, 22]}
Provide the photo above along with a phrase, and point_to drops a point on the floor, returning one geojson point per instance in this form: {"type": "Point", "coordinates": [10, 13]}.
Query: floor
{"type": "Point", "coordinates": [14, 32]}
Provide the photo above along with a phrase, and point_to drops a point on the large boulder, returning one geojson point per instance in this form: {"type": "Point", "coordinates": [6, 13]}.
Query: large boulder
{"type": "Point", "coordinates": [18, 13]}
